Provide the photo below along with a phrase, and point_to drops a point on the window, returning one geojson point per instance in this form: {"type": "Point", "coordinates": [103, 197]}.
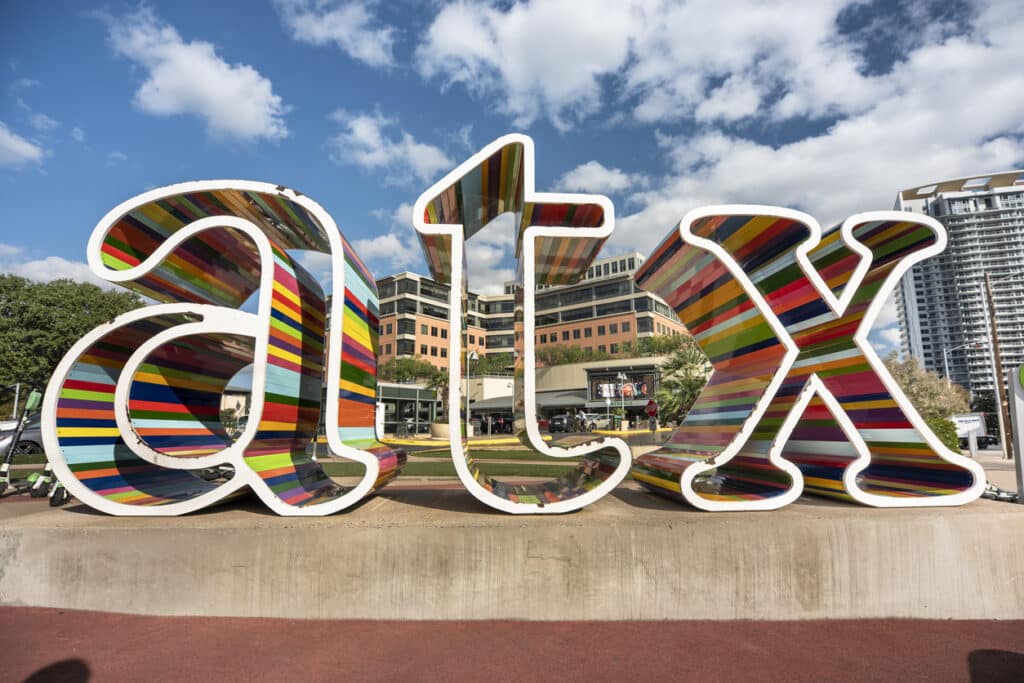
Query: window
{"type": "Point", "coordinates": [406, 306]}
{"type": "Point", "coordinates": [606, 269]}
{"type": "Point", "coordinates": [406, 327]}
{"type": "Point", "coordinates": [444, 333]}
{"type": "Point", "coordinates": [386, 290]}
{"type": "Point", "coordinates": [600, 347]}
{"type": "Point", "coordinates": [600, 330]}
{"type": "Point", "coordinates": [387, 349]}
{"type": "Point", "coordinates": [632, 262]}
{"type": "Point", "coordinates": [423, 349]}
{"type": "Point", "coordinates": [433, 331]}
{"type": "Point", "coordinates": [472, 339]}
{"type": "Point", "coordinates": [577, 314]}
{"type": "Point", "coordinates": [389, 328]}
{"type": "Point", "coordinates": [613, 328]}
{"type": "Point", "coordinates": [625, 327]}
{"type": "Point", "coordinates": [576, 334]}
{"type": "Point", "coordinates": [405, 347]}
{"type": "Point", "coordinates": [543, 339]}
{"type": "Point", "coordinates": [444, 352]}
{"type": "Point", "coordinates": [433, 351]}
{"type": "Point", "coordinates": [587, 332]}
{"type": "Point", "coordinates": [565, 335]}
{"type": "Point", "coordinates": [614, 348]}
{"type": "Point", "coordinates": [408, 287]}
{"type": "Point", "coordinates": [423, 329]}
{"type": "Point", "coordinates": [615, 266]}
{"type": "Point", "coordinates": [615, 307]}
{"type": "Point", "coordinates": [388, 308]}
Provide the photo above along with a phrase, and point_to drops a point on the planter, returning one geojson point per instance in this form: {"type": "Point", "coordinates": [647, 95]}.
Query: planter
{"type": "Point", "coordinates": [440, 430]}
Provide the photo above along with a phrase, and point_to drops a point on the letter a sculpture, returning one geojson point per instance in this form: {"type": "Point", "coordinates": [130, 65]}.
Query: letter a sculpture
{"type": "Point", "coordinates": [798, 399]}
{"type": "Point", "coordinates": [557, 237]}
{"type": "Point", "coordinates": [132, 414]}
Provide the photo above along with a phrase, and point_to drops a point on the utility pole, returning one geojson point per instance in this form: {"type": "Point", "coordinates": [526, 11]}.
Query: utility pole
{"type": "Point", "coordinates": [1004, 417]}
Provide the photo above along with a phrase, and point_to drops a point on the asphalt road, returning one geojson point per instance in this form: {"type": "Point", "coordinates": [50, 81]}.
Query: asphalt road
{"type": "Point", "coordinates": [61, 645]}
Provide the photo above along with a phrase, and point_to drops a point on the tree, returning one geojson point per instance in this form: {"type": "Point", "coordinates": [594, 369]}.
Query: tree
{"type": "Point", "coordinates": [929, 393]}
{"type": "Point", "coordinates": [564, 354]}
{"type": "Point", "coordinates": [934, 398]}
{"type": "Point", "coordinates": [683, 375]}
{"type": "Point", "coordinates": [657, 345]}
{"type": "Point", "coordinates": [406, 369]}
{"type": "Point", "coordinates": [39, 322]}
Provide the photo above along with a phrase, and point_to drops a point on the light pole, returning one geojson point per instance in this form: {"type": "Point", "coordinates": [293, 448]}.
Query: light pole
{"type": "Point", "coordinates": [622, 377]}
{"type": "Point", "coordinates": [1002, 404]}
{"type": "Point", "coordinates": [945, 357]}
{"type": "Point", "coordinates": [471, 356]}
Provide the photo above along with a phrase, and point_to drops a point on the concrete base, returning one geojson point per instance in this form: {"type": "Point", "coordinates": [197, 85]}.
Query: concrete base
{"type": "Point", "coordinates": [418, 553]}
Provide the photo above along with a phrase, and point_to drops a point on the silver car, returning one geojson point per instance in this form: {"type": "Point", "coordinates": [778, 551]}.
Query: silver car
{"type": "Point", "coordinates": [31, 440]}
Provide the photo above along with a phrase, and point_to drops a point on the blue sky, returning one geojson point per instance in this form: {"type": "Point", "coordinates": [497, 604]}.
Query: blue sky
{"type": "Point", "coordinates": [830, 107]}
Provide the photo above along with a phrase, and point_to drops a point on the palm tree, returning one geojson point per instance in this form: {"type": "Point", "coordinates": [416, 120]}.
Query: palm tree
{"type": "Point", "coordinates": [683, 375]}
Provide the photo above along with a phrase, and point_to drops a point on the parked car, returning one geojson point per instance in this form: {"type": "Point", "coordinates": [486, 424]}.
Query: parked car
{"type": "Point", "coordinates": [543, 423]}
{"type": "Point", "coordinates": [984, 441]}
{"type": "Point", "coordinates": [31, 440]}
{"type": "Point", "coordinates": [560, 423]}
{"type": "Point", "coordinates": [598, 421]}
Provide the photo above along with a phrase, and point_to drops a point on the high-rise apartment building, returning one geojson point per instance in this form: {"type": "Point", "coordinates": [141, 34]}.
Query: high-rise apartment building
{"type": "Point", "coordinates": [943, 312]}
{"type": "Point", "coordinates": [601, 312]}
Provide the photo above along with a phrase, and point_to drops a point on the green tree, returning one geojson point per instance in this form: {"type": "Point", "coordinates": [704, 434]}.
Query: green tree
{"type": "Point", "coordinates": [933, 397]}
{"type": "Point", "coordinates": [39, 321]}
{"type": "Point", "coordinates": [657, 345]}
{"type": "Point", "coordinates": [931, 394]}
{"type": "Point", "coordinates": [406, 369]}
{"type": "Point", "coordinates": [683, 375]}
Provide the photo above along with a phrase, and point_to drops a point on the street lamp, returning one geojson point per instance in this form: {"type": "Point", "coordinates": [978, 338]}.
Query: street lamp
{"type": "Point", "coordinates": [622, 377]}
{"type": "Point", "coordinates": [471, 356]}
{"type": "Point", "coordinates": [945, 356]}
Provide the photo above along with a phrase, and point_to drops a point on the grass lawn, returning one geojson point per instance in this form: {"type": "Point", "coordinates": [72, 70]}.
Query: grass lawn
{"type": "Point", "coordinates": [447, 469]}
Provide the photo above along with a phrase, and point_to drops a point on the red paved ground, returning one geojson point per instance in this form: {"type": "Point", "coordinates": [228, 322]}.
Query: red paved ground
{"type": "Point", "coordinates": [63, 645]}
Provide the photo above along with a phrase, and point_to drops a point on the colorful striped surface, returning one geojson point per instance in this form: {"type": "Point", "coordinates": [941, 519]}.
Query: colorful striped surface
{"type": "Point", "coordinates": [897, 461]}
{"type": "Point", "coordinates": [175, 393]}
{"type": "Point", "coordinates": [556, 239]}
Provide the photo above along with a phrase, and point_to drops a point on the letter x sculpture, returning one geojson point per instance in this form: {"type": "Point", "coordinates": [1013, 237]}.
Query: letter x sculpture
{"type": "Point", "coordinates": [798, 398]}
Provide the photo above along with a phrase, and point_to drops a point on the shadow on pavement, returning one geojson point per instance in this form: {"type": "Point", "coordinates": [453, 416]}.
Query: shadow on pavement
{"type": "Point", "coordinates": [64, 671]}
{"type": "Point", "coordinates": [995, 666]}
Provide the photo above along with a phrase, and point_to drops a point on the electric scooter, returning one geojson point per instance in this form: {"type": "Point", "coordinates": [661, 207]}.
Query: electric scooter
{"type": "Point", "coordinates": [33, 483]}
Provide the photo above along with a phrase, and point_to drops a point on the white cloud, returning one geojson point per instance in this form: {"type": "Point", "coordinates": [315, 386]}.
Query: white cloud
{"type": "Point", "coordinates": [42, 122]}
{"type": "Point", "coordinates": [77, 134]}
{"type": "Point", "coordinates": [539, 59]}
{"type": "Point", "coordinates": [909, 137]}
{"type": "Point", "coordinates": [720, 60]}
{"type": "Point", "coordinates": [561, 59]}
{"type": "Point", "coordinates": [593, 176]}
{"type": "Point", "coordinates": [234, 100]}
{"type": "Point", "coordinates": [48, 268]}
{"type": "Point", "coordinates": [351, 26]}
{"type": "Point", "coordinates": [16, 151]}
{"type": "Point", "coordinates": [885, 340]}
{"type": "Point", "coordinates": [24, 83]}
{"type": "Point", "coordinates": [397, 249]}
{"type": "Point", "coordinates": [116, 157]}
{"type": "Point", "coordinates": [365, 143]}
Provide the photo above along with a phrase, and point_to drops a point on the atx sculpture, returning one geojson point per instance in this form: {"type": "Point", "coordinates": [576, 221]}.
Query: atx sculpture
{"type": "Point", "coordinates": [798, 399]}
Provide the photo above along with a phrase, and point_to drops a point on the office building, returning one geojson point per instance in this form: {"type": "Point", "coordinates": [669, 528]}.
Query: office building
{"type": "Point", "coordinates": [601, 312]}
{"type": "Point", "coordinates": [943, 313]}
